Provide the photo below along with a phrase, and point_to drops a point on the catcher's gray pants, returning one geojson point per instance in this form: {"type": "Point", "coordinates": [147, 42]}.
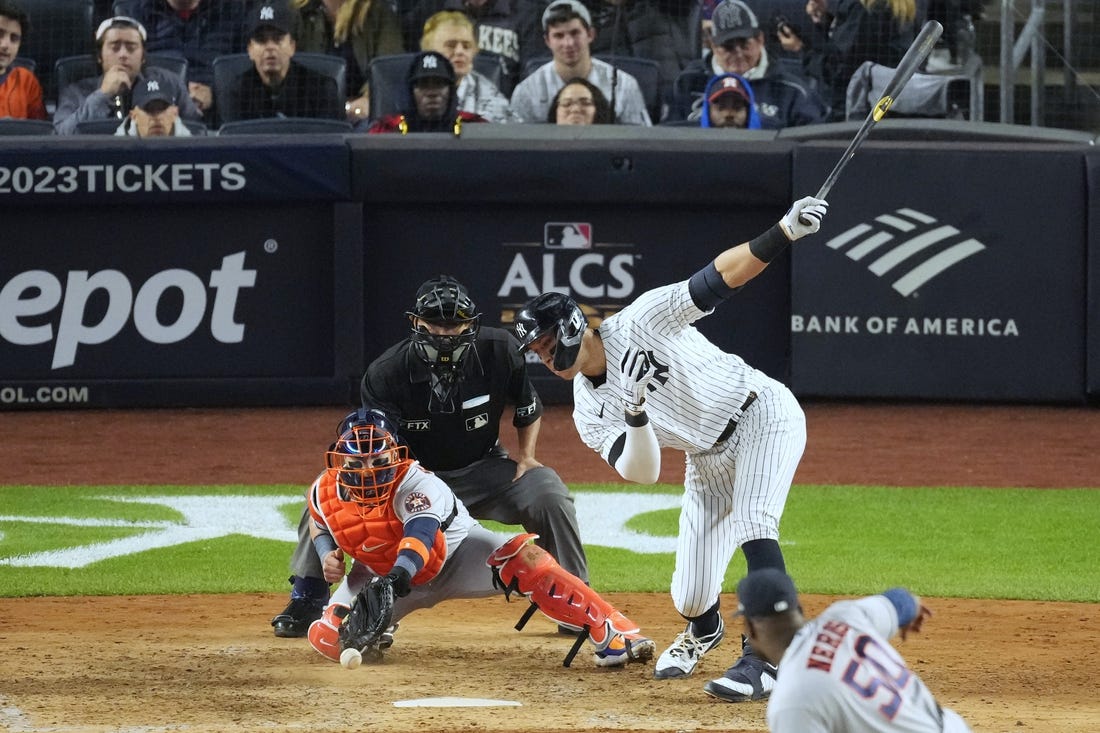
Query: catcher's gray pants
{"type": "Point", "coordinates": [464, 575]}
{"type": "Point", "coordinates": [539, 502]}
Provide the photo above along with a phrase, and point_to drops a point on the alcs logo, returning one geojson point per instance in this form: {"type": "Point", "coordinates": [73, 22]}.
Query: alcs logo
{"type": "Point", "coordinates": [38, 293]}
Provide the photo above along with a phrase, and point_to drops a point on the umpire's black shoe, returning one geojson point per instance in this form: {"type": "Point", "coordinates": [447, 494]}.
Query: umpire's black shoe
{"type": "Point", "coordinates": [295, 619]}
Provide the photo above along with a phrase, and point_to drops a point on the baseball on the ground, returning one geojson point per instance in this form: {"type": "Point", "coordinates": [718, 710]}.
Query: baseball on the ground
{"type": "Point", "coordinates": [350, 658]}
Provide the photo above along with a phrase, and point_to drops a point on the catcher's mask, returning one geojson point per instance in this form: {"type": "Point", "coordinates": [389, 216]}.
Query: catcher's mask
{"type": "Point", "coordinates": [366, 460]}
{"type": "Point", "coordinates": [445, 324]}
{"type": "Point", "coordinates": [557, 317]}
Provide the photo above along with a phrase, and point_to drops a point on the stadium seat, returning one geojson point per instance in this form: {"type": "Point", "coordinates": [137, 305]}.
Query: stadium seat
{"type": "Point", "coordinates": [284, 126]}
{"type": "Point", "coordinates": [59, 28]}
{"type": "Point", "coordinates": [71, 69]}
{"type": "Point", "coordinates": [13, 126]}
{"type": "Point", "coordinates": [387, 76]}
{"type": "Point", "coordinates": [648, 74]}
{"type": "Point", "coordinates": [937, 96]}
{"type": "Point", "coordinates": [110, 126]}
{"type": "Point", "coordinates": [229, 68]}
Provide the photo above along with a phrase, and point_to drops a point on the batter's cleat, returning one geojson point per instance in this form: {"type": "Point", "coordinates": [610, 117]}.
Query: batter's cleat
{"type": "Point", "coordinates": [625, 649]}
{"type": "Point", "coordinates": [750, 679]}
{"type": "Point", "coordinates": [680, 659]}
{"type": "Point", "coordinates": [295, 619]}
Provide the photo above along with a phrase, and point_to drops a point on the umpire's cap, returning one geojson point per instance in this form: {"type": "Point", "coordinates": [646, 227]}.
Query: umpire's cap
{"type": "Point", "coordinates": [766, 592]}
{"type": "Point", "coordinates": [443, 299]}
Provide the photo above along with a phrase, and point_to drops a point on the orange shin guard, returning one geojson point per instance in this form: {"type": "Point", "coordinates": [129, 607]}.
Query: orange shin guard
{"type": "Point", "coordinates": [560, 595]}
{"type": "Point", "coordinates": [324, 633]}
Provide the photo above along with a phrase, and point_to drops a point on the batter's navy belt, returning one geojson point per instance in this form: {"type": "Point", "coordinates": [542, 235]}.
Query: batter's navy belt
{"type": "Point", "coordinates": [732, 424]}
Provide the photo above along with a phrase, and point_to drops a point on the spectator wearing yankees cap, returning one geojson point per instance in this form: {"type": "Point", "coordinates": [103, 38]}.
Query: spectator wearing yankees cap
{"type": "Point", "coordinates": [120, 51]}
{"type": "Point", "coordinates": [155, 113]}
{"type": "Point", "coordinates": [782, 99]}
{"type": "Point", "coordinates": [432, 105]}
{"type": "Point", "coordinates": [277, 85]}
{"type": "Point", "coordinates": [197, 30]}
{"type": "Point", "coordinates": [728, 102]}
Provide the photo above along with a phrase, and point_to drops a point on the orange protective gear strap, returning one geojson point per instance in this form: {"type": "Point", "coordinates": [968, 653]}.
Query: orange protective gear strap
{"type": "Point", "coordinates": [411, 543]}
{"type": "Point", "coordinates": [559, 594]}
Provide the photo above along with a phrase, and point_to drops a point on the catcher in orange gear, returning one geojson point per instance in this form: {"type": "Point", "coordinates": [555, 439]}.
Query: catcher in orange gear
{"type": "Point", "coordinates": [404, 525]}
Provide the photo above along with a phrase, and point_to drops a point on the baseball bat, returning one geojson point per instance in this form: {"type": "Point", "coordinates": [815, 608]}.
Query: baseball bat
{"type": "Point", "coordinates": [914, 56]}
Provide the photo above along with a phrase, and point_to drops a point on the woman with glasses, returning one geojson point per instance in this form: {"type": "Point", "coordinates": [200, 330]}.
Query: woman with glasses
{"type": "Point", "coordinates": [580, 102]}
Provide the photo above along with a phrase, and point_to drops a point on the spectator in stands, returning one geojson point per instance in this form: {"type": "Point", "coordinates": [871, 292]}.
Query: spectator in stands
{"type": "Point", "coordinates": [451, 33]}
{"type": "Point", "coordinates": [580, 102]}
{"type": "Point", "coordinates": [433, 91]}
{"type": "Point", "coordinates": [120, 44]}
{"type": "Point", "coordinates": [198, 30]}
{"type": "Point", "coordinates": [728, 102]}
{"type": "Point", "coordinates": [357, 31]}
{"type": "Point", "coordinates": [659, 30]}
{"type": "Point", "coordinates": [568, 33]}
{"type": "Point", "coordinates": [276, 85]}
{"type": "Point", "coordinates": [154, 114]}
{"type": "Point", "coordinates": [496, 28]}
{"type": "Point", "coordinates": [737, 47]}
{"type": "Point", "coordinates": [20, 92]}
{"type": "Point", "coordinates": [845, 33]}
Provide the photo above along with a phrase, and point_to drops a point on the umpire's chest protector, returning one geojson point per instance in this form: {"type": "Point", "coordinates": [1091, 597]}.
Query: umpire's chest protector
{"type": "Point", "coordinates": [372, 539]}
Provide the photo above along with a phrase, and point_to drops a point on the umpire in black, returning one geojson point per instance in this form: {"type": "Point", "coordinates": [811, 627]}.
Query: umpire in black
{"type": "Point", "coordinates": [447, 385]}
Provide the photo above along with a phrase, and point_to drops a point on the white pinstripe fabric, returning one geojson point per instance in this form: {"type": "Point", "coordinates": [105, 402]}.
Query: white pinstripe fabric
{"type": "Point", "coordinates": [734, 492]}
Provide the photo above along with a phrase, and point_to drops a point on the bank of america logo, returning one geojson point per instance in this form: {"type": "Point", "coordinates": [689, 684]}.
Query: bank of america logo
{"type": "Point", "coordinates": [907, 244]}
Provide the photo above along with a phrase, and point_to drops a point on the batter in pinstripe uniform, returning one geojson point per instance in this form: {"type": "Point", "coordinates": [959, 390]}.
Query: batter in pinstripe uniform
{"type": "Point", "coordinates": [647, 379]}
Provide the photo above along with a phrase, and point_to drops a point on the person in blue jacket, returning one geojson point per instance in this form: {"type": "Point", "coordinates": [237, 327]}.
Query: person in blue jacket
{"type": "Point", "coordinates": [728, 102]}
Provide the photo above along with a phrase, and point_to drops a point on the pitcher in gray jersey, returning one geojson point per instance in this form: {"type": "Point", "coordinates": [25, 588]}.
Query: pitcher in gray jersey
{"type": "Point", "coordinates": [647, 379]}
{"type": "Point", "coordinates": [839, 671]}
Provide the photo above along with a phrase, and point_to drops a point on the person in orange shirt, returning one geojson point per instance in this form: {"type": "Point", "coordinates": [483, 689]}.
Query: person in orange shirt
{"type": "Point", "coordinates": [20, 92]}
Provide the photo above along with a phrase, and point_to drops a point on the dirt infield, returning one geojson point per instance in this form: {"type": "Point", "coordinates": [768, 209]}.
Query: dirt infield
{"type": "Point", "coordinates": [210, 663]}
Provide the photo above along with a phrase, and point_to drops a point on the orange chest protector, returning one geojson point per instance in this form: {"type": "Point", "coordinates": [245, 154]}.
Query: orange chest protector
{"type": "Point", "coordinates": [372, 538]}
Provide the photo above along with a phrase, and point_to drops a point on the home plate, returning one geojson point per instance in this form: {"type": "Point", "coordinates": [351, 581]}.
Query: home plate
{"type": "Point", "coordinates": [454, 702]}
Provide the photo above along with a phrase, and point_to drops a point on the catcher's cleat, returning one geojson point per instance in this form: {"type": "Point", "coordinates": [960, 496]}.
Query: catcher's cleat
{"type": "Point", "coordinates": [295, 619]}
{"type": "Point", "coordinates": [681, 658]}
{"type": "Point", "coordinates": [385, 641]}
{"type": "Point", "coordinates": [750, 679]}
{"type": "Point", "coordinates": [624, 649]}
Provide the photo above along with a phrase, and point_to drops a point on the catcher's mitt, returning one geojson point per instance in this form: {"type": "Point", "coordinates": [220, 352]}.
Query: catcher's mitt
{"type": "Point", "coordinates": [371, 614]}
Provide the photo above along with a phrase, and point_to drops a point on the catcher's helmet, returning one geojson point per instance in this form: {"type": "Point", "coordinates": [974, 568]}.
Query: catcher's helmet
{"type": "Point", "coordinates": [555, 314]}
{"type": "Point", "coordinates": [367, 460]}
{"type": "Point", "coordinates": [444, 301]}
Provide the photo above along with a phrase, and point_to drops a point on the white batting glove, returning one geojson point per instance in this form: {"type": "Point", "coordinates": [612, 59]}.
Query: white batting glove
{"type": "Point", "coordinates": [804, 217]}
{"type": "Point", "coordinates": [636, 371]}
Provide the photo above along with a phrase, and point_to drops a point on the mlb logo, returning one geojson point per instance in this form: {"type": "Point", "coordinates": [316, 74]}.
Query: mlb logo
{"type": "Point", "coordinates": [567, 235]}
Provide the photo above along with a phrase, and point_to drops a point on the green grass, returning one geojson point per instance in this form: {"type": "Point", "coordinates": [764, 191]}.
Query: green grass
{"type": "Point", "coordinates": [960, 542]}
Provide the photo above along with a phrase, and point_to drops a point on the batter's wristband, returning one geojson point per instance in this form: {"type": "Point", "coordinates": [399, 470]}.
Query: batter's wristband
{"type": "Point", "coordinates": [770, 244]}
{"type": "Point", "coordinates": [324, 544]}
{"type": "Point", "coordinates": [638, 419]}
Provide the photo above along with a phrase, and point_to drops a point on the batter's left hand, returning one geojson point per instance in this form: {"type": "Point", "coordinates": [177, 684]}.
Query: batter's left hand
{"type": "Point", "coordinates": [804, 217]}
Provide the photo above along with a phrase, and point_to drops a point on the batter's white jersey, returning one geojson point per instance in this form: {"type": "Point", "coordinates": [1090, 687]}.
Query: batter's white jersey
{"type": "Point", "coordinates": [736, 488]}
{"type": "Point", "coordinates": [840, 673]}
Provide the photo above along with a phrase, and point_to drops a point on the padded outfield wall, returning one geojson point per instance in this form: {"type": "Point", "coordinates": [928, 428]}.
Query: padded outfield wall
{"type": "Point", "coordinates": [268, 271]}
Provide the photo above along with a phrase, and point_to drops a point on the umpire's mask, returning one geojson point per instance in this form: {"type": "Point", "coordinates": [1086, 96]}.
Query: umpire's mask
{"type": "Point", "coordinates": [443, 304]}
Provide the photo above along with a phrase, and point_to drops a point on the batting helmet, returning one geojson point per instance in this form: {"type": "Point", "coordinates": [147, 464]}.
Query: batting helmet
{"type": "Point", "coordinates": [367, 460]}
{"type": "Point", "coordinates": [555, 314]}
